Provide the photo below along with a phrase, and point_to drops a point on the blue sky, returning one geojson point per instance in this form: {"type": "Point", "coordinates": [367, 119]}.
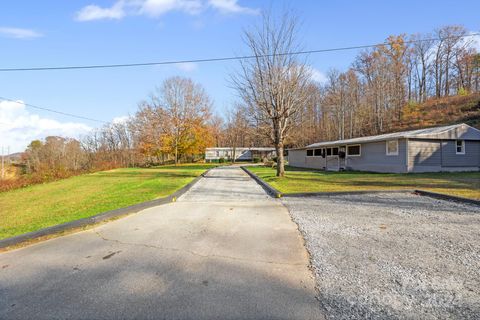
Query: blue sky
{"type": "Point", "coordinates": [44, 33]}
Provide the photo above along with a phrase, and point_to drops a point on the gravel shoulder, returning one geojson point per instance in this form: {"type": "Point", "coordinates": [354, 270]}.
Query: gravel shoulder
{"type": "Point", "coordinates": [396, 256]}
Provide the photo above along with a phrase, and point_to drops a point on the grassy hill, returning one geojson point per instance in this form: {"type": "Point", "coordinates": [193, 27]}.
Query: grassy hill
{"type": "Point", "coordinates": [43, 205]}
{"type": "Point", "coordinates": [444, 111]}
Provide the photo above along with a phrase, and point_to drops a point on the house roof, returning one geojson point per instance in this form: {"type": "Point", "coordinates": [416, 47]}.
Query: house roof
{"type": "Point", "coordinates": [456, 131]}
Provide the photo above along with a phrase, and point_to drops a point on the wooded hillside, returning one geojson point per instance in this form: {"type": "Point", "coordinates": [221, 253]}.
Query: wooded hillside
{"type": "Point", "coordinates": [443, 111]}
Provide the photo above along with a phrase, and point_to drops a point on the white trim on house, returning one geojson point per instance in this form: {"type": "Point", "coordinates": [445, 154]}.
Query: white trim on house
{"type": "Point", "coordinates": [386, 148]}
{"type": "Point", "coordinates": [354, 155]}
{"type": "Point", "coordinates": [407, 162]}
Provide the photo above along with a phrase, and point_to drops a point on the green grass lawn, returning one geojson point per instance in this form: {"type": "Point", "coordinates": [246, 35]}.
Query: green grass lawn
{"type": "Point", "coordinates": [44, 205]}
{"type": "Point", "coordinates": [464, 184]}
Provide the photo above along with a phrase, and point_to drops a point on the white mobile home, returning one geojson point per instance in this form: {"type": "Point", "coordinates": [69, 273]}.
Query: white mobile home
{"type": "Point", "coordinates": [449, 148]}
{"type": "Point", "coordinates": [240, 153]}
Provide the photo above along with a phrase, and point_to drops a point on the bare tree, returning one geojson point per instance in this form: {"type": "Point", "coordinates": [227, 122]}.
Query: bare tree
{"type": "Point", "coordinates": [236, 130]}
{"type": "Point", "coordinates": [449, 39]}
{"type": "Point", "coordinates": [421, 51]}
{"type": "Point", "coordinates": [274, 84]}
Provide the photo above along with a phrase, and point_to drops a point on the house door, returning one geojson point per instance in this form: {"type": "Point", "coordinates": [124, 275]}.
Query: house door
{"type": "Point", "coordinates": [332, 163]}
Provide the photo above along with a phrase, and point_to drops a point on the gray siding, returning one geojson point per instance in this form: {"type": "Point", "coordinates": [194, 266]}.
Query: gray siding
{"type": "Point", "coordinates": [450, 158]}
{"type": "Point", "coordinates": [440, 155]}
{"type": "Point", "coordinates": [298, 158]}
{"type": "Point", "coordinates": [332, 163]}
{"type": "Point", "coordinates": [374, 158]}
{"type": "Point", "coordinates": [424, 155]}
{"type": "Point", "coordinates": [314, 162]}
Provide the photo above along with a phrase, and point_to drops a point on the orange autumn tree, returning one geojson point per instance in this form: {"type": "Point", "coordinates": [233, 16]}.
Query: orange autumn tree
{"type": "Point", "coordinates": [182, 111]}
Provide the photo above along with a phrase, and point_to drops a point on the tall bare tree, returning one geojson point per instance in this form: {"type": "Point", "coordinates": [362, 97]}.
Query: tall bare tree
{"type": "Point", "coordinates": [237, 129]}
{"type": "Point", "coordinates": [274, 84]}
{"type": "Point", "coordinates": [421, 51]}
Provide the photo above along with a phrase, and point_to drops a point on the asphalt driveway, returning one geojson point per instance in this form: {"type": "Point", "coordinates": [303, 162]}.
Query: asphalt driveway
{"type": "Point", "coordinates": [224, 250]}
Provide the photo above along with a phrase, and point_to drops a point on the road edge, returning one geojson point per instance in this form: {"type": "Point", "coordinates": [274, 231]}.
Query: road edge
{"type": "Point", "coordinates": [101, 217]}
{"type": "Point", "coordinates": [446, 197]}
{"type": "Point", "coordinates": [270, 190]}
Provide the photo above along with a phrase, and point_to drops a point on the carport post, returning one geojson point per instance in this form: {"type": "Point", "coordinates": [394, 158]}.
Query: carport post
{"type": "Point", "coordinates": [325, 156]}
{"type": "Point", "coordinates": [346, 157]}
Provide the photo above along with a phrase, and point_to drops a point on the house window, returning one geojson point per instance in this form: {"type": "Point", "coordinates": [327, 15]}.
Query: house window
{"type": "Point", "coordinates": [353, 151]}
{"type": "Point", "coordinates": [460, 144]}
{"type": "Point", "coordinates": [335, 151]}
{"type": "Point", "coordinates": [392, 148]}
{"type": "Point", "coordinates": [318, 152]}
{"type": "Point", "coordinates": [329, 152]}
{"type": "Point", "coordinates": [310, 153]}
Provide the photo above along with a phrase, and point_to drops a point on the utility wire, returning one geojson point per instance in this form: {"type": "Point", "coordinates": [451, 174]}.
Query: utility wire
{"type": "Point", "coordinates": [188, 61]}
{"type": "Point", "coordinates": [173, 62]}
{"type": "Point", "coordinates": [54, 111]}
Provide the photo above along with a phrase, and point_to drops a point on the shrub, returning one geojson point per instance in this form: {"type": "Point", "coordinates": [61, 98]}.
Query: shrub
{"type": "Point", "coordinates": [270, 164]}
{"type": "Point", "coordinates": [256, 160]}
{"type": "Point", "coordinates": [221, 160]}
{"type": "Point", "coordinates": [462, 91]}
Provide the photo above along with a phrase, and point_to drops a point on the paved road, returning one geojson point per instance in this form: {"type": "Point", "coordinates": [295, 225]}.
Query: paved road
{"type": "Point", "coordinates": [224, 250]}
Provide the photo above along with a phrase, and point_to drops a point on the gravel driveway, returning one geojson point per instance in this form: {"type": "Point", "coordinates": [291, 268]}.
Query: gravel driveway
{"type": "Point", "coordinates": [392, 256]}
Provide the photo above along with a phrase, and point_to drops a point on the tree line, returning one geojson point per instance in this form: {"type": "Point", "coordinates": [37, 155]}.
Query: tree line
{"type": "Point", "coordinates": [174, 124]}
{"type": "Point", "coordinates": [383, 83]}
{"type": "Point", "coordinates": [279, 103]}
{"type": "Point", "coordinates": [378, 93]}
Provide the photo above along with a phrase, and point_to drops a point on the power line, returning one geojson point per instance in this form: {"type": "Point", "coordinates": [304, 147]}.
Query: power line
{"type": "Point", "coordinates": [54, 111]}
{"type": "Point", "coordinates": [173, 62]}
{"type": "Point", "coordinates": [188, 61]}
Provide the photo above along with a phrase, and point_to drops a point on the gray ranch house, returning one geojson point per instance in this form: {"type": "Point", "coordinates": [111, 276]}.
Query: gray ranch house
{"type": "Point", "coordinates": [241, 153]}
{"type": "Point", "coordinates": [448, 148]}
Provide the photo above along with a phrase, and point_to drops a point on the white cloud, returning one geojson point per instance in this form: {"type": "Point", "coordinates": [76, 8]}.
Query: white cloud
{"type": "Point", "coordinates": [317, 75]}
{"type": "Point", "coordinates": [120, 119]}
{"type": "Point", "coordinates": [19, 33]}
{"type": "Point", "coordinates": [94, 12]}
{"type": "Point", "coordinates": [475, 40]}
{"type": "Point", "coordinates": [231, 6]}
{"type": "Point", "coordinates": [187, 66]}
{"type": "Point", "coordinates": [18, 127]}
{"type": "Point", "coordinates": [156, 8]}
